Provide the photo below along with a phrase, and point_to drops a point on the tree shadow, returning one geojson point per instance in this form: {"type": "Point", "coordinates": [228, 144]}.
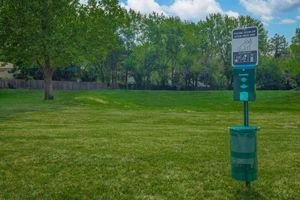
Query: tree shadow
{"type": "Point", "coordinates": [247, 194]}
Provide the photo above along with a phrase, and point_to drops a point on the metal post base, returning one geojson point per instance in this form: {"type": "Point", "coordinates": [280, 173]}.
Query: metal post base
{"type": "Point", "coordinates": [248, 185]}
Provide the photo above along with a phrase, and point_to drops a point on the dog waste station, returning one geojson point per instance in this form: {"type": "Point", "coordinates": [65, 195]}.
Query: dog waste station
{"type": "Point", "coordinates": [243, 138]}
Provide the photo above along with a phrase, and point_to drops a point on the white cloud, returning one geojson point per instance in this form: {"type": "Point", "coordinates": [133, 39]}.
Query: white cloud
{"type": "Point", "coordinates": [267, 18]}
{"type": "Point", "coordinates": [144, 6]}
{"type": "Point", "coordinates": [266, 9]}
{"type": "Point", "coordinates": [265, 23]}
{"type": "Point", "coordinates": [194, 9]}
{"type": "Point", "coordinates": [233, 14]}
{"type": "Point", "coordinates": [287, 21]}
{"type": "Point", "coordinates": [298, 17]}
{"type": "Point", "coordinates": [285, 5]}
{"type": "Point", "coordinates": [83, 1]}
{"type": "Point", "coordinates": [185, 9]}
{"type": "Point", "coordinates": [259, 8]}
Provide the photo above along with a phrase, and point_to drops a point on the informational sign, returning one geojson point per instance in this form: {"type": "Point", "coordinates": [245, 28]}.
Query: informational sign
{"type": "Point", "coordinates": [245, 46]}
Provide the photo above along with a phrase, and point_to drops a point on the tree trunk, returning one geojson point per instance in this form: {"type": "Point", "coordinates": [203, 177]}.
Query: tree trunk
{"type": "Point", "coordinates": [172, 76]}
{"type": "Point", "coordinates": [48, 86]}
{"type": "Point", "coordinates": [114, 75]}
{"type": "Point", "coordinates": [126, 79]}
{"type": "Point", "coordinates": [102, 74]}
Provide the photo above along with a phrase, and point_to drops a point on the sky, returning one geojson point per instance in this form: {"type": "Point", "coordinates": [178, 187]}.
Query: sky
{"type": "Point", "coordinates": [279, 16]}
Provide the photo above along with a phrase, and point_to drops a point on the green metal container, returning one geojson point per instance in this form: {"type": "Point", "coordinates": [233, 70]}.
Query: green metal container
{"type": "Point", "coordinates": [243, 153]}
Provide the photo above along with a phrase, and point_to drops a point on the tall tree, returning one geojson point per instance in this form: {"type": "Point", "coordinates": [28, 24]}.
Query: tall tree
{"type": "Point", "coordinates": [278, 46]}
{"type": "Point", "coordinates": [296, 37]}
{"type": "Point", "coordinates": [40, 32]}
{"type": "Point", "coordinates": [219, 30]}
{"type": "Point", "coordinates": [295, 60]}
{"type": "Point", "coordinates": [130, 36]}
{"type": "Point", "coordinates": [100, 43]}
{"type": "Point", "coordinates": [116, 19]}
{"type": "Point", "coordinates": [295, 47]}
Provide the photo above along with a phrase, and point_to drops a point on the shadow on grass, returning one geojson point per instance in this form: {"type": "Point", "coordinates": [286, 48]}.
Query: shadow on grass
{"type": "Point", "coordinates": [243, 194]}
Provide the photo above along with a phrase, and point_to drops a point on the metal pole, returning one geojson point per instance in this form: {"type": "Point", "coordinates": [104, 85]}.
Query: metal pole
{"type": "Point", "coordinates": [248, 184]}
{"type": "Point", "coordinates": [246, 123]}
{"type": "Point", "coordinates": [246, 114]}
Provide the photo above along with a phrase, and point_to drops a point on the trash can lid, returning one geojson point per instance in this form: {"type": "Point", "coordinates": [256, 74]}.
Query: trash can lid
{"type": "Point", "coordinates": [243, 128]}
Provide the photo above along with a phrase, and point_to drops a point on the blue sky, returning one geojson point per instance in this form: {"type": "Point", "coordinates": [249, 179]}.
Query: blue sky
{"type": "Point", "coordinates": [279, 16]}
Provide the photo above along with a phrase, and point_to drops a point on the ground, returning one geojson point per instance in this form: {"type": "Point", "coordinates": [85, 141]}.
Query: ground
{"type": "Point", "coordinates": [143, 145]}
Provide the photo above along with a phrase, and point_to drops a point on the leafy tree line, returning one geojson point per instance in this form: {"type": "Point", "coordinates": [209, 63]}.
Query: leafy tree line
{"type": "Point", "coordinates": [100, 41]}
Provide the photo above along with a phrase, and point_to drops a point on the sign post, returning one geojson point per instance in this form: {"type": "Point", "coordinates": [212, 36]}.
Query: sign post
{"type": "Point", "coordinates": [243, 138]}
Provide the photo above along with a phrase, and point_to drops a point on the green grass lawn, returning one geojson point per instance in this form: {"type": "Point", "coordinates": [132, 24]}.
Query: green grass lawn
{"type": "Point", "coordinates": [143, 145]}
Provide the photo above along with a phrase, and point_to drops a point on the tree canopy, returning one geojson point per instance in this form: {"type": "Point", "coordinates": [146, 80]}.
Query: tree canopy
{"type": "Point", "coordinates": [101, 41]}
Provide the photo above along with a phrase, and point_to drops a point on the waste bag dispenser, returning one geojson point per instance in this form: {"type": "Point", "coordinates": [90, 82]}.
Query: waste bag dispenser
{"type": "Point", "coordinates": [243, 153]}
{"type": "Point", "coordinates": [244, 84]}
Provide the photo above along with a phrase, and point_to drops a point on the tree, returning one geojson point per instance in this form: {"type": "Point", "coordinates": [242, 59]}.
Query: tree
{"type": "Point", "coordinates": [100, 41]}
{"type": "Point", "coordinates": [219, 33]}
{"type": "Point", "coordinates": [39, 32]}
{"type": "Point", "coordinates": [130, 36]}
{"type": "Point", "coordinates": [172, 33]}
{"type": "Point", "coordinates": [295, 47]}
{"type": "Point", "coordinates": [296, 38]}
{"type": "Point", "coordinates": [268, 75]}
{"type": "Point", "coordinates": [101, 44]}
{"type": "Point", "coordinates": [116, 19]}
{"type": "Point", "coordinates": [278, 46]}
{"type": "Point", "coordinates": [295, 60]}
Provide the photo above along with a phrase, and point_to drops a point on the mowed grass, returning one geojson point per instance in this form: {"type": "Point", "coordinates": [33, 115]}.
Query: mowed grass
{"type": "Point", "coordinates": [143, 145]}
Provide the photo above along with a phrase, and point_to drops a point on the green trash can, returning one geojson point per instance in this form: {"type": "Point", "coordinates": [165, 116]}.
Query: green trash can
{"type": "Point", "coordinates": [243, 153]}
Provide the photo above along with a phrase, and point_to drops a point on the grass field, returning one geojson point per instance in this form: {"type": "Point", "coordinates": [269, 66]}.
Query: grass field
{"type": "Point", "coordinates": [143, 145]}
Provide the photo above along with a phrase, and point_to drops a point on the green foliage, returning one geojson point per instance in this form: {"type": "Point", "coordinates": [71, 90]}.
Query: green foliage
{"type": "Point", "coordinates": [296, 38]}
{"type": "Point", "coordinates": [21, 71]}
{"type": "Point", "coordinates": [293, 63]}
{"type": "Point", "coordinates": [113, 45]}
{"type": "Point", "coordinates": [268, 75]}
{"type": "Point", "coordinates": [39, 33]}
{"type": "Point", "coordinates": [278, 46]}
{"type": "Point", "coordinates": [33, 30]}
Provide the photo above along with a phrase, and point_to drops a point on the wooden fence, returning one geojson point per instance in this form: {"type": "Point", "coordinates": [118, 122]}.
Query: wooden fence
{"type": "Point", "coordinates": [60, 85]}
